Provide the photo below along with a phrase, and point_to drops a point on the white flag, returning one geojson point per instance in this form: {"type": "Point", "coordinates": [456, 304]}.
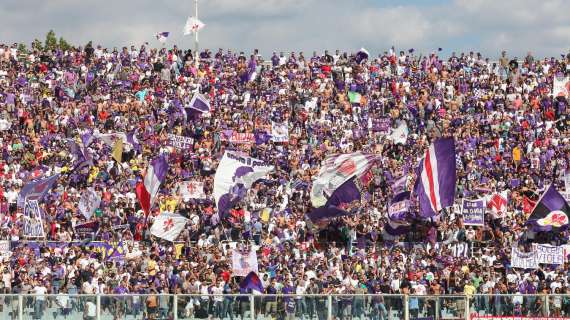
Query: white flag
{"type": "Point", "coordinates": [193, 25]}
{"type": "Point", "coordinates": [191, 190]}
{"type": "Point", "coordinates": [168, 226]}
{"type": "Point", "coordinates": [89, 202]}
{"type": "Point", "coordinates": [400, 134]}
{"type": "Point", "coordinates": [279, 132]}
{"type": "Point", "coordinates": [244, 263]}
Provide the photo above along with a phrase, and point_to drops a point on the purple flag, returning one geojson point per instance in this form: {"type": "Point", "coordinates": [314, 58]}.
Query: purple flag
{"type": "Point", "coordinates": [36, 190]}
{"type": "Point", "coordinates": [132, 139]}
{"type": "Point", "coordinates": [550, 212]}
{"type": "Point", "coordinates": [436, 178]}
{"type": "Point", "coordinates": [252, 281]}
{"type": "Point", "coordinates": [399, 185]}
{"type": "Point", "coordinates": [361, 55]}
{"type": "Point", "coordinates": [345, 194]}
{"type": "Point", "coordinates": [326, 213]}
{"type": "Point", "coordinates": [399, 221]}
{"type": "Point", "coordinates": [199, 103]}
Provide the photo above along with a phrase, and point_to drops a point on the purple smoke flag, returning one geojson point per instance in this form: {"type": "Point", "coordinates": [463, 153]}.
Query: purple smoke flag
{"type": "Point", "coordinates": [199, 103]}
{"type": "Point", "coordinates": [550, 212]}
{"type": "Point", "coordinates": [361, 55]}
{"type": "Point", "coordinates": [436, 178]}
{"type": "Point", "coordinates": [36, 190]}
{"type": "Point", "coordinates": [162, 36]}
{"type": "Point", "coordinates": [252, 281]}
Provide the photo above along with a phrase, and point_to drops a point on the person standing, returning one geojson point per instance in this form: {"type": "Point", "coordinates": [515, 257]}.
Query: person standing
{"type": "Point", "coordinates": [39, 290]}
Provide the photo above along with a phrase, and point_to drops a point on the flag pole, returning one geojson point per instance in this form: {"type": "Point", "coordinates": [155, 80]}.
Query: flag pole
{"type": "Point", "coordinates": [197, 55]}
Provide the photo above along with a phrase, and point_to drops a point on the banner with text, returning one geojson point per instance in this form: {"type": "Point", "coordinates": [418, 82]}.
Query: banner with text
{"type": "Point", "coordinates": [549, 254]}
{"type": "Point", "coordinates": [180, 142]}
{"type": "Point", "coordinates": [473, 212]}
{"type": "Point", "coordinates": [524, 260]}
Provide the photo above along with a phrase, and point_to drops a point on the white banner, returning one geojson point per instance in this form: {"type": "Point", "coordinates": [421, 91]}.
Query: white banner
{"type": "Point", "coordinates": [5, 252]}
{"type": "Point", "coordinates": [244, 263]}
{"type": "Point", "coordinates": [561, 86]}
{"type": "Point", "coordinates": [191, 190]}
{"type": "Point", "coordinates": [234, 175]}
{"type": "Point", "coordinates": [549, 254]}
{"type": "Point", "coordinates": [524, 260]}
{"type": "Point", "coordinates": [180, 142]}
{"type": "Point", "coordinates": [279, 132]}
{"type": "Point", "coordinates": [89, 202]}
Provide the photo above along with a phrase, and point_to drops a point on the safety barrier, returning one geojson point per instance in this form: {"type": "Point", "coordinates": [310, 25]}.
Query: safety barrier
{"type": "Point", "coordinates": [306, 307]}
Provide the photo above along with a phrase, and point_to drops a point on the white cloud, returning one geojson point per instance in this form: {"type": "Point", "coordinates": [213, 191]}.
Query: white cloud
{"type": "Point", "coordinates": [483, 25]}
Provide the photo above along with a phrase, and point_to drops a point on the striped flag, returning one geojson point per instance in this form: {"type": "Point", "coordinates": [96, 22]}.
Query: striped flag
{"type": "Point", "coordinates": [435, 185]}
{"type": "Point", "coordinates": [146, 191]}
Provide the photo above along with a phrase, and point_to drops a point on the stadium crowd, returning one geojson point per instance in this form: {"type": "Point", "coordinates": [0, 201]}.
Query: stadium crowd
{"type": "Point", "coordinates": [510, 133]}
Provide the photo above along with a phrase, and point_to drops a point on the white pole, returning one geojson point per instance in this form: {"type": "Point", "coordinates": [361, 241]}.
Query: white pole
{"type": "Point", "coordinates": [196, 53]}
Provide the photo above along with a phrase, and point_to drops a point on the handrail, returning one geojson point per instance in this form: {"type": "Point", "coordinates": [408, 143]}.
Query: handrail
{"type": "Point", "coordinates": [253, 306]}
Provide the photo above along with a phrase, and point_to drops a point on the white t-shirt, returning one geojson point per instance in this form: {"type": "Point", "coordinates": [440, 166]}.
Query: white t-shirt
{"type": "Point", "coordinates": [91, 309]}
{"type": "Point", "coordinates": [41, 290]}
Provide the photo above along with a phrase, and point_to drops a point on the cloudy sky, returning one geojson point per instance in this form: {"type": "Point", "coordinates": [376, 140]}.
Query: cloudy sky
{"type": "Point", "coordinates": [488, 26]}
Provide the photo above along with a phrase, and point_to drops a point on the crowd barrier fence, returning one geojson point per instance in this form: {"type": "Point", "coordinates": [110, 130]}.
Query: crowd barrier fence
{"type": "Point", "coordinates": [305, 307]}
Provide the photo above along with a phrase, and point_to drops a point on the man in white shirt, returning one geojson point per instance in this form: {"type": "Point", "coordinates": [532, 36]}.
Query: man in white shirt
{"type": "Point", "coordinates": [90, 311]}
{"type": "Point", "coordinates": [40, 290]}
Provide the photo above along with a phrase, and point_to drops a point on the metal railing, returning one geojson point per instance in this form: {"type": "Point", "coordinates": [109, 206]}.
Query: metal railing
{"type": "Point", "coordinates": [306, 307]}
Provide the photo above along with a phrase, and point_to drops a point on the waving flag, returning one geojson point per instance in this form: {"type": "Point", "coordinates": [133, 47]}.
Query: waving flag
{"type": "Point", "coordinates": [133, 140]}
{"type": "Point", "coordinates": [400, 134]}
{"type": "Point", "coordinates": [399, 215]}
{"type": "Point", "coordinates": [361, 55]}
{"type": "Point", "coordinates": [36, 190]}
{"type": "Point", "coordinates": [528, 205]}
{"type": "Point", "coordinates": [244, 262]}
{"type": "Point", "coordinates": [146, 191]}
{"type": "Point", "coordinates": [335, 171]}
{"type": "Point", "coordinates": [235, 175]}
{"type": "Point", "coordinates": [162, 36]}
{"type": "Point", "coordinates": [435, 185]}
{"type": "Point", "coordinates": [498, 204]}
{"type": "Point", "coordinates": [118, 151]}
{"type": "Point", "coordinates": [354, 97]}
{"type": "Point", "coordinates": [168, 226]}
{"type": "Point", "coordinates": [192, 26]}
{"type": "Point", "coordinates": [191, 190]}
{"type": "Point", "coordinates": [279, 132]}
{"type": "Point", "coordinates": [252, 281]}
{"type": "Point", "coordinates": [550, 213]}
{"type": "Point", "coordinates": [89, 202]}
{"type": "Point", "coordinates": [199, 103]}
